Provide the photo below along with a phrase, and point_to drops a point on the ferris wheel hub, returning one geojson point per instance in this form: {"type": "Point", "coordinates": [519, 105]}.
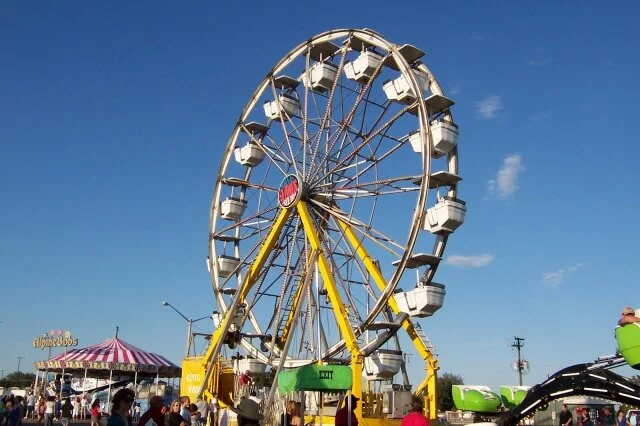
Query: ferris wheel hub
{"type": "Point", "coordinates": [290, 191]}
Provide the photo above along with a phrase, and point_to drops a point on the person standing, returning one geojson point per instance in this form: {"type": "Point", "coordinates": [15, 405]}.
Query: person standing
{"type": "Point", "coordinates": [49, 411]}
{"type": "Point", "coordinates": [40, 408]}
{"type": "Point", "coordinates": [66, 412]}
{"type": "Point", "coordinates": [154, 413]}
{"type": "Point", "coordinates": [249, 413]}
{"type": "Point", "coordinates": [76, 408]}
{"type": "Point", "coordinates": [585, 419]}
{"type": "Point", "coordinates": [608, 419]}
{"type": "Point", "coordinates": [203, 408]}
{"type": "Point", "coordinates": [566, 418]}
{"type": "Point", "coordinates": [84, 403]}
{"type": "Point", "coordinates": [622, 418]}
{"type": "Point", "coordinates": [95, 413]}
{"type": "Point", "coordinates": [342, 415]}
{"type": "Point", "coordinates": [31, 405]}
{"type": "Point", "coordinates": [415, 417]}
{"type": "Point", "coordinates": [296, 420]}
{"type": "Point", "coordinates": [175, 418]}
{"type": "Point", "coordinates": [185, 402]}
{"type": "Point", "coordinates": [122, 402]}
{"type": "Point", "coordinates": [12, 414]}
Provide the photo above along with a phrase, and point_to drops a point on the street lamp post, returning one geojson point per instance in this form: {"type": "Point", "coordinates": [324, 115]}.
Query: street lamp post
{"type": "Point", "coordinates": [189, 322]}
{"type": "Point", "coordinates": [19, 359]}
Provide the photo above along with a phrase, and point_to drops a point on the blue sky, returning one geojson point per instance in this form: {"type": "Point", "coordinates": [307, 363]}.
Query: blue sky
{"type": "Point", "coordinates": [113, 117]}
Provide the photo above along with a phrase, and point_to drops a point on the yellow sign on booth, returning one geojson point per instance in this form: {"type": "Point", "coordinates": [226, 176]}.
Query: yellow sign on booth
{"type": "Point", "coordinates": [192, 377]}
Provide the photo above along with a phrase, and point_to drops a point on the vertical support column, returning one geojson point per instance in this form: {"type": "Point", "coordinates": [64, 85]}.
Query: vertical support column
{"type": "Point", "coordinates": [356, 387]}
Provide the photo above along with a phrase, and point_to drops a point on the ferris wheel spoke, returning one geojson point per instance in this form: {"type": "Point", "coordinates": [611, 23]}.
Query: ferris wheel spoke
{"type": "Point", "coordinates": [376, 188]}
{"type": "Point", "coordinates": [367, 231]}
{"type": "Point", "coordinates": [268, 151]}
{"type": "Point", "coordinates": [283, 114]}
{"type": "Point", "coordinates": [351, 258]}
{"type": "Point", "coordinates": [243, 222]}
{"type": "Point", "coordinates": [315, 146]}
{"type": "Point", "coordinates": [305, 111]}
{"type": "Point", "coordinates": [367, 139]}
{"type": "Point", "coordinates": [346, 122]}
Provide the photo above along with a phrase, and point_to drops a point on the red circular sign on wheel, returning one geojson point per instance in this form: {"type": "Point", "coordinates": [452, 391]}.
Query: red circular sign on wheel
{"type": "Point", "coordinates": [290, 191]}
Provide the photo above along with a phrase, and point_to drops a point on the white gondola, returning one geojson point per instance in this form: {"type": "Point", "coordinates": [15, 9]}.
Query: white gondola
{"type": "Point", "coordinates": [322, 75]}
{"type": "Point", "coordinates": [400, 90]}
{"type": "Point", "coordinates": [444, 135]}
{"type": "Point", "coordinates": [227, 265]}
{"type": "Point", "coordinates": [446, 216]}
{"type": "Point", "coordinates": [251, 365]}
{"type": "Point", "coordinates": [382, 364]}
{"type": "Point", "coordinates": [249, 155]}
{"type": "Point", "coordinates": [363, 67]}
{"type": "Point", "coordinates": [232, 208]}
{"type": "Point", "coordinates": [285, 104]}
{"type": "Point", "coordinates": [422, 301]}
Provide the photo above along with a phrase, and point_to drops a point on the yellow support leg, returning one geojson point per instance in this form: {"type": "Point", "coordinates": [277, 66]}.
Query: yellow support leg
{"type": "Point", "coordinates": [247, 284]}
{"type": "Point", "coordinates": [432, 364]}
{"type": "Point", "coordinates": [336, 301]}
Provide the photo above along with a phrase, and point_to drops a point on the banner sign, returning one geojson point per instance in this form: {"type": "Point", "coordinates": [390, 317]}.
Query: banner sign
{"type": "Point", "coordinates": [55, 339]}
{"type": "Point", "coordinates": [192, 377]}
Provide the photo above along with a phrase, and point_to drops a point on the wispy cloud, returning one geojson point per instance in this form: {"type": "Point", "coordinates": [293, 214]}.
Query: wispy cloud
{"type": "Point", "coordinates": [489, 107]}
{"type": "Point", "coordinates": [506, 181]}
{"type": "Point", "coordinates": [456, 89]}
{"type": "Point", "coordinates": [477, 261]}
{"type": "Point", "coordinates": [556, 278]}
{"type": "Point", "coordinates": [540, 62]}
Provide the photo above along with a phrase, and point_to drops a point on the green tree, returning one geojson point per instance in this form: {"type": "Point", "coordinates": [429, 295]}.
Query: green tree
{"type": "Point", "coordinates": [18, 378]}
{"type": "Point", "coordinates": [445, 399]}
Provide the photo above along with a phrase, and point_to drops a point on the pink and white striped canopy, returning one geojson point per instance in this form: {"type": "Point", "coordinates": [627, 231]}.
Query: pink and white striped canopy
{"type": "Point", "coordinates": [112, 354]}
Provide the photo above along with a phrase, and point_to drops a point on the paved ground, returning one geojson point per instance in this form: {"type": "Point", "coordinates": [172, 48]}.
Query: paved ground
{"type": "Point", "coordinates": [57, 423]}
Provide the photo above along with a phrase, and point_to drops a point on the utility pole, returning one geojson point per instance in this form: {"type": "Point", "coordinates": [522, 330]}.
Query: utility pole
{"type": "Point", "coordinates": [519, 344]}
{"type": "Point", "coordinates": [20, 357]}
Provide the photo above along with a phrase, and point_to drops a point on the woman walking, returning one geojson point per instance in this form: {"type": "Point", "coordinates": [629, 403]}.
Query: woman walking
{"type": "Point", "coordinates": [95, 413]}
{"type": "Point", "coordinates": [40, 409]}
{"type": "Point", "coordinates": [49, 411]}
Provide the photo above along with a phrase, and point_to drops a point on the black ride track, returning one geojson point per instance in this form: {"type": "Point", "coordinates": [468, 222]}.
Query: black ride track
{"type": "Point", "coordinates": [591, 379]}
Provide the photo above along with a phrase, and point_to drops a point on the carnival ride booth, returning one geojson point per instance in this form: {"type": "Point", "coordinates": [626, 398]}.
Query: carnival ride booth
{"type": "Point", "coordinates": [113, 359]}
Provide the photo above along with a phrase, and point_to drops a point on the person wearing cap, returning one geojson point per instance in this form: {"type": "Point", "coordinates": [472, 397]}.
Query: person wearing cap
{"type": "Point", "coordinates": [249, 413]}
{"type": "Point", "coordinates": [154, 413]}
{"type": "Point", "coordinates": [342, 415]}
{"type": "Point", "coordinates": [629, 316]}
{"type": "Point", "coordinates": [415, 417]}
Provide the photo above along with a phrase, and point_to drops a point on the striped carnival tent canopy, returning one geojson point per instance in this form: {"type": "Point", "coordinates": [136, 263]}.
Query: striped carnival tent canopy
{"type": "Point", "coordinates": [112, 356]}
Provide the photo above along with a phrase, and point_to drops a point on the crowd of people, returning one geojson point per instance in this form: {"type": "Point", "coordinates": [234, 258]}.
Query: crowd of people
{"type": "Point", "coordinates": [14, 409]}
{"type": "Point", "coordinates": [605, 418]}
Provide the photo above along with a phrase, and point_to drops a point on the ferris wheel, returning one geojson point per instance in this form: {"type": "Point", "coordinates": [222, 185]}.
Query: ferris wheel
{"type": "Point", "coordinates": [338, 181]}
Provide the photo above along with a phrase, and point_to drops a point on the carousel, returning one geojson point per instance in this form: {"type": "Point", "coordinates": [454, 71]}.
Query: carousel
{"type": "Point", "coordinates": [112, 359]}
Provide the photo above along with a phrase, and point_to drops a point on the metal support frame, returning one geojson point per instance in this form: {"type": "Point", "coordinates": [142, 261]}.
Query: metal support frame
{"type": "Point", "coordinates": [254, 271]}
{"type": "Point", "coordinates": [429, 382]}
{"type": "Point", "coordinates": [336, 302]}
